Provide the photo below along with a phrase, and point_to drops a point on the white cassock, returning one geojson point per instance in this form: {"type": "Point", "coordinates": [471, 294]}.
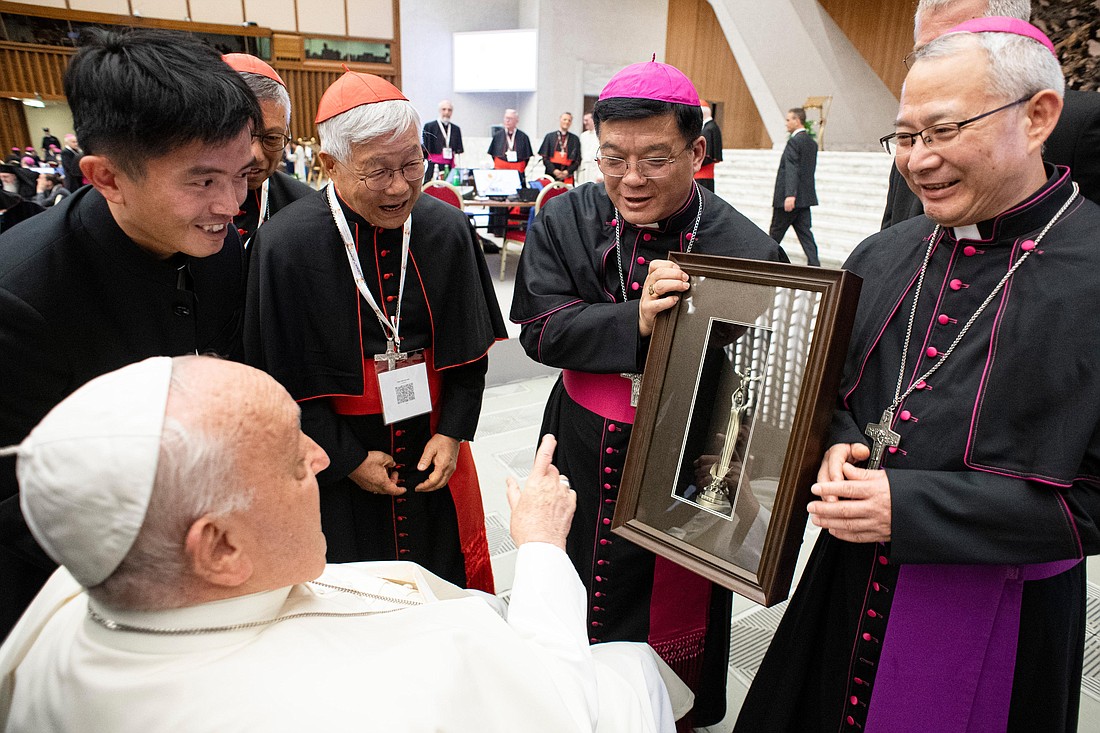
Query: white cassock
{"type": "Point", "coordinates": [452, 664]}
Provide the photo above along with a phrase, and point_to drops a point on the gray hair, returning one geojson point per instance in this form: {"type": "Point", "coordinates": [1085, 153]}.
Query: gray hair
{"type": "Point", "coordinates": [268, 90]}
{"type": "Point", "coordinates": [1018, 66]}
{"type": "Point", "coordinates": [390, 120]}
{"type": "Point", "coordinates": [1020, 9]}
{"type": "Point", "coordinates": [196, 476]}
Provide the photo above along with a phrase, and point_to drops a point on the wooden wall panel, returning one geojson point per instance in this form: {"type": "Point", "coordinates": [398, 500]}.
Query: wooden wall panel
{"type": "Point", "coordinates": [696, 45]}
{"type": "Point", "coordinates": [32, 69]}
{"type": "Point", "coordinates": [306, 85]}
{"type": "Point", "coordinates": [13, 126]}
{"type": "Point", "coordinates": [881, 31]}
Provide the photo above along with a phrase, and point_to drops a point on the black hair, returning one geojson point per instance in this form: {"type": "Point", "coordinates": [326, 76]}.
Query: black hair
{"type": "Point", "coordinates": [138, 94]}
{"type": "Point", "coordinates": [689, 119]}
{"type": "Point", "coordinates": [799, 113]}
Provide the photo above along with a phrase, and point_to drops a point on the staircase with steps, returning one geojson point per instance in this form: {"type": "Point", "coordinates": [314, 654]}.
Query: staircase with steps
{"type": "Point", "coordinates": [851, 189]}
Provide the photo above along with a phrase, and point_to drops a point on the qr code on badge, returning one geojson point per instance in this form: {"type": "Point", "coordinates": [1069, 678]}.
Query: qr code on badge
{"type": "Point", "coordinates": [406, 392]}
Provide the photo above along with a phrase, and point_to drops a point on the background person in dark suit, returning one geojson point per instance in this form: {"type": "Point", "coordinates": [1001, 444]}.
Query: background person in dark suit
{"type": "Point", "coordinates": [713, 135]}
{"type": "Point", "coordinates": [794, 186]}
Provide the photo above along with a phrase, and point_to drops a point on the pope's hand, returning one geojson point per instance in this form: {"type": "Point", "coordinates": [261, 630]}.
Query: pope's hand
{"type": "Point", "coordinates": [543, 511]}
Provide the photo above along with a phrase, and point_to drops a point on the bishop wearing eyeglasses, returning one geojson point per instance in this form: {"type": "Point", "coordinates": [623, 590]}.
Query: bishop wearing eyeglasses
{"type": "Point", "coordinates": [269, 189]}
{"type": "Point", "coordinates": [959, 494]}
{"type": "Point", "coordinates": [373, 306]}
{"type": "Point", "coordinates": [594, 275]}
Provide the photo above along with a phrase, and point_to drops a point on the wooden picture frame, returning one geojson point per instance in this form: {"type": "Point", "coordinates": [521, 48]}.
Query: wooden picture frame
{"type": "Point", "coordinates": [753, 350]}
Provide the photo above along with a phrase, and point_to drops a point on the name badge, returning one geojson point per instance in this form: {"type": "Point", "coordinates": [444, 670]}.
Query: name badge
{"type": "Point", "coordinates": [448, 154]}
{"type": "Point", "coordinates": [511, 156]}
{"type": "Point", "coordinates": [404, 390]}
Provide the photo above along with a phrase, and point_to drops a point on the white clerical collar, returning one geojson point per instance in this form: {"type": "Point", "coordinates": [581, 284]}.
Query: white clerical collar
{"type": "Point", "coordinates": [254, 607]}
{"type": "Point", "coordinates": [970, 231]}
{"type": "Point", "coordinates": [798, 130]}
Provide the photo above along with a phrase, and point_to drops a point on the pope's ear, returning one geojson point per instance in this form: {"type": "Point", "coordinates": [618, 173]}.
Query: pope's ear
{"type": "Point", "coordinates": [214, 553]}
{"type": "Point", "coordinates": [102, 173]}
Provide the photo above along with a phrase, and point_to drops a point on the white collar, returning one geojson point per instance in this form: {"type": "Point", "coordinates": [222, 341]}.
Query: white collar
{"type": "Point", "coordinates": [970, 231]}
{"type": "Point", "coordinates": [254, 607]}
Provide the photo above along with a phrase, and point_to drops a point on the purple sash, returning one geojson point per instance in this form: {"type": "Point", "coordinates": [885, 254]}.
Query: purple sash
{"type": "Point", "coordinates": [949, 655]}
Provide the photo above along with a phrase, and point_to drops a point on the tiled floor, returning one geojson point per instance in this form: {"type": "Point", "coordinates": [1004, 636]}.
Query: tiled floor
{"type": "Point", "coordinates": [505, 446]}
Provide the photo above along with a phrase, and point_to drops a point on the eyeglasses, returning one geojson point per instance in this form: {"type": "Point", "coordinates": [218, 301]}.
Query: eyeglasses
{"type": "Point", "coordinates": [937, 135]}
{"type": "Point", "coordinates": [646, 167]}
{"type": "Point", "coordinates": [272, 142]}
{"type": "Point", "coordinates": [380, 179]}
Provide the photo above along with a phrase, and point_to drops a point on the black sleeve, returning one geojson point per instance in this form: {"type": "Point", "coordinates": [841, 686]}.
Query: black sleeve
{"type": "Point", "coordinates": [463, 387]}
{"type": "Point", "coordinates": [574, 147]}
{"type": "Point", "coordinates": [976, 517]}
{"type": "Point", "coordinates": [345, 452]}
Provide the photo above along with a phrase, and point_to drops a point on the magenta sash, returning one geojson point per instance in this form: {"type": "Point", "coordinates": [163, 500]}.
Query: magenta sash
{"type": "Point", "coordinates": [949, 655]}
{"type": "Point", "coordinates": [607, 395]}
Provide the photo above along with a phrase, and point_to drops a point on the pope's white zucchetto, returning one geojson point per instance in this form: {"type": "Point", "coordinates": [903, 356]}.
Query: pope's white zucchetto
{"type": "Point", "coordinates": [86, 471]}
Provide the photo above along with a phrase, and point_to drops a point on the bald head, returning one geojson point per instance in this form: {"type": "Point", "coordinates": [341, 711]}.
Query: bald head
{"type": "Point", "coordinates": [234, 506]}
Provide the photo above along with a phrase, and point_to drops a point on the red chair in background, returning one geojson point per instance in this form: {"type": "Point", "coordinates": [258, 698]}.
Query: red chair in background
{"type": "Point", "coordinates": [443, 191]}
{"type": "Point", "coordinates": [519, 236]}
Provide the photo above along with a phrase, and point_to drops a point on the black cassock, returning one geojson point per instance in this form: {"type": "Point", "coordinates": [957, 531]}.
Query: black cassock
{"type": "Point", "coordinates": [282, 190]}
{"type": "Point", "coordinates": [553, 143]}
{"type": "Point", "coordinates": [307, 325]}
{"type": "Point", "coordinates": [568, 298]}
{"type": "Point", "coordinates": [996, 469]}
{"type": "Point", "coordinates": [78, 298]}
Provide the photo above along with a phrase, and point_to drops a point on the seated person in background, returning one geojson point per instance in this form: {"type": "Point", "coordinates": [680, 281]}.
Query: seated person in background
{"type": "Point", "coordinates": [182, 495]}
{"type": "Point", "coordinates": [50, 190]}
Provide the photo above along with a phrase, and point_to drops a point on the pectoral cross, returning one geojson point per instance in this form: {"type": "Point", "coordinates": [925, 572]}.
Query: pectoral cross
{"type": "Point", "coordinates": [392, 355]}
{"type": "Point", "coordinates": [635, 386]}
{"type": "Point", "coordinates": [882, 437]}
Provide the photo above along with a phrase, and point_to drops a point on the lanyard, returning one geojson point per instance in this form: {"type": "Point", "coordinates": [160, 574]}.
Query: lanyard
{"type": "Point", "coordinates": [511, 140]}
{"type": "Point", "coordinates": [446, 129]}
{"type": "Point", "coordinates": [563, 137]}
{"type": "Point", "coordinates": [391, 328]}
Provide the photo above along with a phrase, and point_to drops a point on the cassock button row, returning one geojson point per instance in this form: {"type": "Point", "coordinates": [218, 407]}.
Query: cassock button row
{"type": "Point", "coordinates": [383, 253]}
{"type": "Point", "coordinates": [921, 385]}
{"type": "Point", "coordinates": [607, 469]}
{"type": "Point", "coordinates": [387, 275]}
{"type": "Point", "coordinates": [882, 560]}
{"type": "Point", "coordinates": [607, 487]}
{"type": "Point", "coordinates": [635, 286]}
{"type": "Point", "coordinates": [398, 433]}
{"type": "Point", "coordinates": [970, 250]}
{"type": "Point", "coordinates": [605, 542]}
{"type": "Point", "coordinates": [593, 640]}
{"type": "Point", "coordinates": [905, 414]}
{"type": "Point", "coordinates": [612, 428]}
{"type": "Point", "coordinates": [641, 260]}
{"type": "Point", "coordinates": [599, 578]}
{"type": "Point", "coordinates": [957, 284]}
{"type": "Point", "coordinates": [647, 236]}
{"type": "Point", "coordinates": [403, 552]}
{"type": "Point", "coordinates": [943, 319]}
{"type": "Point", "coordinates": [606, 520]}
{"type": "Point", "coordinates": [1027, 246]}
{"type": "Point", "coordinates": [609, 451]}
{"type": "Point", "coordinates": [932, 352]}
{"type": "Point", "coordinates": [390, 298]}
{"type": "Point", "coordinates": [608, 501]}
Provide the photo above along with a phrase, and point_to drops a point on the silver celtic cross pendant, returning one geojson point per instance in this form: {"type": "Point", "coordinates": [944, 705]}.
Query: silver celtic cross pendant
{"type": "Point", "coordinates": [635, 386]}
{"type": "Point", "coordinates": [883, 437]}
